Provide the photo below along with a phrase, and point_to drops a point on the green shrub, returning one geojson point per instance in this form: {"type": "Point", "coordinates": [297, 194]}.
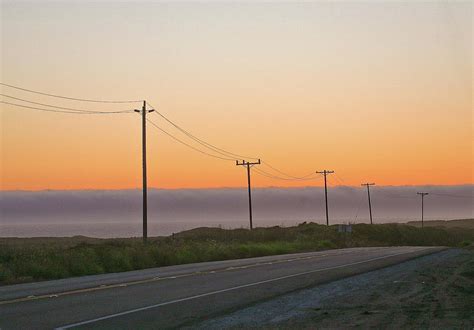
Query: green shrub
{"type": "Point", "coordinates": [465, 243]}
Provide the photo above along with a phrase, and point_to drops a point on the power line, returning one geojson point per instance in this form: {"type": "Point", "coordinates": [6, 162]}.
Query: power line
{"type": "Point", "coordinates": [65, 111]}
{"type": "Point", "coordinates": [358, 203]}
{"type": "Point", "coordinates": [383, 195]}
{"type": "Point", "coordinates": [431, 193]}
{"type": "Point", "coordinates": [213, 148]}
{"type": "Point", "coordinates": [285, 174]}
{"type": "Point", "coordinates": [336, 182]}
{"type": "Point", "coordinates": [341, 180]}
{"type": "Point", "coordinates": [208, 145]}
{"type": "Point", "coordinates": [186, 144]}
{"type": "Point", "coordinates": [218, 150]}
{"type": "Point", "coordinates": [450, 195]}
{"type": "Point", "coordinates": [282, 178]}
{"type": "Point", "coordinates": [224, 152]}
{"type": "Point", "coordinates": [269, 175]}
{"type": "Point", "coordinates": [58, 107]}
{"type": "Point", "coordinates": [66, 97]}
{"type": "Point", "coordinates": [266, 174]}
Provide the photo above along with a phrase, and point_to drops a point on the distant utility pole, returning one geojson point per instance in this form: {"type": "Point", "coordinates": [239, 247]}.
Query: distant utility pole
{"type": "Point", "coordinates": [368, 194]}
{"type": "Point", "coordinates": [248, 165]}
{"type": "Point", "coordinates": [423, 194]}
{"type": "Point", "coordinates": [144, 111]}
{"type": "Point", "coordinates": [325, 172]}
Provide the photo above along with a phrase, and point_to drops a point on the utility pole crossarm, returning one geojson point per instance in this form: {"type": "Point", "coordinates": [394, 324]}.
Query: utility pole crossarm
{"type": "Point", "coordinates": [245, 163]}
{"type": "Point", "coordinates": [324, 172]}
{"type": "Point", "coordinates": [248, 165]}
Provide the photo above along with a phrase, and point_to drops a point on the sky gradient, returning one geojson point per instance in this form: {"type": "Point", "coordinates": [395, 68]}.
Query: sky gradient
{"type": "Point", "coordinates": [375, 91]}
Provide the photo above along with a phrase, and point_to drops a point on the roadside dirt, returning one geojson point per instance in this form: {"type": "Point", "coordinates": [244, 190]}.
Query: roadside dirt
{"type": "Point", "coordinates": [432, 292]}
{"type": "Point", "coordinates": [438, 296]}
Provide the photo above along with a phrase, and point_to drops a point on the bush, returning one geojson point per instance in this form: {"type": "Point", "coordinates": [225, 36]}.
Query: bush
{"type": "Point", "coordinates": [465, 243]}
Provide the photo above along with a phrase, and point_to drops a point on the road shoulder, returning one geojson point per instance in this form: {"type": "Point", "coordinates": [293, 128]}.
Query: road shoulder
{"type": "Point", "coordinates": [434, 291]}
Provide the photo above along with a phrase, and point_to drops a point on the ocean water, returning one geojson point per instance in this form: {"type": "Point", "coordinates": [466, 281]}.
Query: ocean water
{"type": "Point", "coordinates": [73, 227]}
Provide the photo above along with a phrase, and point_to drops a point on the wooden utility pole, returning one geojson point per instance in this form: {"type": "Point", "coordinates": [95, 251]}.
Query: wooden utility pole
{"type": "Point", "coordinates": [368, 194]}
{"type": "Point", "coordinates": [144, 111]}
{"type": "Point", "coordinates": [248, 165]}
{"type": "Point", "coordinates": [325, 173]}
{"type": "Point", "coordinates": [423, 194]}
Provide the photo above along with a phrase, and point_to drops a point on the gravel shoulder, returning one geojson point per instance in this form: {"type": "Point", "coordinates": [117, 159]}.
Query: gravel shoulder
{"type": "Point", "coordinates": [431, 292]}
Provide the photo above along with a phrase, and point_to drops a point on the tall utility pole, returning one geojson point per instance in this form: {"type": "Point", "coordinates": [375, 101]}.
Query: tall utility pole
{"type": "Point", "coordinates": [368, 194]}
{"type": "Point", "coordinates": [325, 172]}
{"type": "Point", "coordinates": [248, 165]}
{"type": "Point", "coordinates": [423, 194]}
{"type": "Point", "coordinates": [144, 111]}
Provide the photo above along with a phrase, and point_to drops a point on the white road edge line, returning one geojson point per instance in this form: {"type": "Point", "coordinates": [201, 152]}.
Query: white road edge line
{"type": "Point", "coordinates": [157, 278]}
{"type": "Point", "coordinates": [223, 290]}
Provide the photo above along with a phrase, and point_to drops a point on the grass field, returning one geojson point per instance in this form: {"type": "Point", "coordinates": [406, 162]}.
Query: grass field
{"type": "Point", "coordinates": [36, 259]}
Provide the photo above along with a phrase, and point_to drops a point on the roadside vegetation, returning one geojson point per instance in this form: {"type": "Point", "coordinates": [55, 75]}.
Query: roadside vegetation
{"type": "Point", "coordinates": [36, 259]}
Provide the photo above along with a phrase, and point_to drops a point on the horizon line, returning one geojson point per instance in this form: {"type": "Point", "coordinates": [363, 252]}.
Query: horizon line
{"type": "Point", "coordinates": [224, 187]}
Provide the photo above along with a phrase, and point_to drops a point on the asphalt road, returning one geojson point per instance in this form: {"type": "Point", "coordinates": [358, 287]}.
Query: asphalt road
{"type": "Point", "coordinates": [181, 295]}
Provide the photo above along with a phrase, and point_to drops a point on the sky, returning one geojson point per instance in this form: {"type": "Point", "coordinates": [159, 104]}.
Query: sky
{"type": "Point", "coordinates": [377, 91]}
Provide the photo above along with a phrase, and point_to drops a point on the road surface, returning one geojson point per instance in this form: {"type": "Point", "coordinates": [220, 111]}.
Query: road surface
{"type": "Point", "coordinates": [181, 295]}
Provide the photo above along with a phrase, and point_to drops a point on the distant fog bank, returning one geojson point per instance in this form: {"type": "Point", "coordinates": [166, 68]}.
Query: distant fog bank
{"type": "Point", "coordinates": [117, 213]}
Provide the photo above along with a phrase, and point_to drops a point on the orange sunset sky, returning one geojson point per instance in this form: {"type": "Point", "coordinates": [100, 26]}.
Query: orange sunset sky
{"type": "Point", "coordinates": [377, 91]}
